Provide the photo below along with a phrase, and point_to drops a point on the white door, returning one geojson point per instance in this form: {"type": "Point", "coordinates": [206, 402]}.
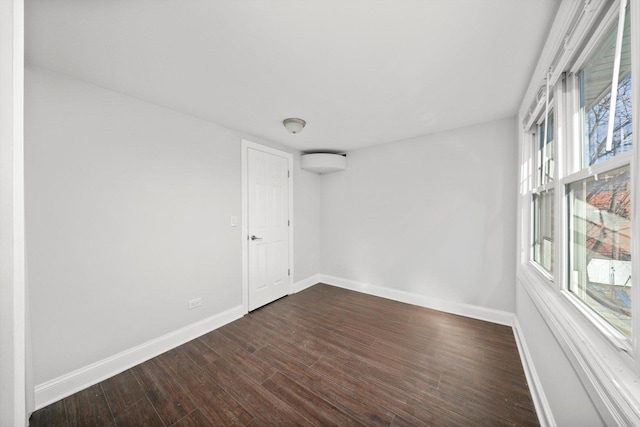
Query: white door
{"type": "Point", "coordinates": [268, 227]}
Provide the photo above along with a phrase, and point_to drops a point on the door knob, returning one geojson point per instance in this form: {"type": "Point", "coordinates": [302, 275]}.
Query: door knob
{"type": "Point", "coordinates": [253, 237]}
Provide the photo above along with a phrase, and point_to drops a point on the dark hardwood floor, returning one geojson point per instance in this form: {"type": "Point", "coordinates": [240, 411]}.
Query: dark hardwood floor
{"type": "Point", "coordinates": [324, 356]}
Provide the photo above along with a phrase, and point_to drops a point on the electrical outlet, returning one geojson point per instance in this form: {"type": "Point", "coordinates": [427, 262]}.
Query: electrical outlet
{"type": "Point", "coordinates": [195, 303]}
{"type": "Point", "coordinates": [234, 221]}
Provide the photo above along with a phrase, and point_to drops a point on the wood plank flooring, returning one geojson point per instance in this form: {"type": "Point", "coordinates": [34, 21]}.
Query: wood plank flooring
{"type": "Point", "coordinates": [324, 356]}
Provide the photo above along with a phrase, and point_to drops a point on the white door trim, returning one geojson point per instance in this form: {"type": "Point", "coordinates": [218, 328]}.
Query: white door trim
{"type": "Point", "coordinates": [245, 214]}
{"type": "Point", "coordinates": [16, 394]}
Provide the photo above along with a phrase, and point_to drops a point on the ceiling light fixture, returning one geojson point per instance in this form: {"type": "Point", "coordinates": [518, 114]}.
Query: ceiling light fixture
{"type": "Point", "coordinates": [294, 125]}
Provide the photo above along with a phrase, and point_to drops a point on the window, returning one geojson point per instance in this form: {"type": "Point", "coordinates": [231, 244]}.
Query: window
{"type": "Point", "coordinates": [543, 196]}
{"type": "Point", "coordinates": [578, 195]}
{"type": "Point", "coordinates": [592, 193]}
{"type": "Point", "coordinates": [599, 220]}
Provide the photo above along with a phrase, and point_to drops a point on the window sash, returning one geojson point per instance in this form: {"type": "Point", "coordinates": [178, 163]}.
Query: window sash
{"type": "Point", "coordinates": [599, 245]}
{"type": "Point", "coordinates": [543, 239]}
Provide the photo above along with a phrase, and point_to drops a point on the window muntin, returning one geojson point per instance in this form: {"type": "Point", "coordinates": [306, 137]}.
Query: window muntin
{"type": "Point", "coordinates": [600, 245]}
{"type": "Point", "coordinates": [595, 98]}
{"type": "Point", "coordinates": [543, 229]}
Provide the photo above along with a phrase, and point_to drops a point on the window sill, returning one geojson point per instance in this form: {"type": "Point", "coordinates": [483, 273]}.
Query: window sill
{"type": "Point", "coordinates": [606, 371]}
{"type": "Point", "coordinates": [615, 339]}
{"type": "Point", "coordinates": [543, 275]}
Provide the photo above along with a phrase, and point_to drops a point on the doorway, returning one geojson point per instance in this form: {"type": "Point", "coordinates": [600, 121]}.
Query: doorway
{"type": "Point", "coordinates": [267, 207]}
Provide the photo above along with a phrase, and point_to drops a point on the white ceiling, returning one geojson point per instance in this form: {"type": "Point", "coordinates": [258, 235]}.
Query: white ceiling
{"type": "Point", "coordinates": [360, 72]}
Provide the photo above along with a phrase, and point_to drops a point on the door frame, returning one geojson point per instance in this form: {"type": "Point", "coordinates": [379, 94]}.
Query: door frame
{"type": "Point", "coordinates": [246, 145]}
{"type": "Point", "coordinates": [16, 396]}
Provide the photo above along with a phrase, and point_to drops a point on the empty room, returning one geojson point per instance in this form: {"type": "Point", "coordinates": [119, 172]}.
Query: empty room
{"type": "Point", "coordinates": [279, 212]}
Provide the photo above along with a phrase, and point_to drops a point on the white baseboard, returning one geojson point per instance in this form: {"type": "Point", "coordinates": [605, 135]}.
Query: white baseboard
{"type": "Point", "coordinates": [535, 386]}
{"type": "Point", "coordinates": [65, 385]}
{"type": "Point", "coordinates": [305, 283]}
{"type": "Point", "coordinates": [467, 310]}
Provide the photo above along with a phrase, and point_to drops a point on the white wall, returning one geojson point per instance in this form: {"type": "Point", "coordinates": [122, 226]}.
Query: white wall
{"type": "Point", "coordinates": [569, 403]}
{"type": "Point", "coordinates": [128, 217]}
{"type": "Point", "coordinates": [306, 218]}
{"type": "Point", "coordinates": [433, 216]}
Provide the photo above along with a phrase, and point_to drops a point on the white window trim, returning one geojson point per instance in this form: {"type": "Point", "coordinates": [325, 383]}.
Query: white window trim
{"type": "Point", "coordinates": [606, 366]}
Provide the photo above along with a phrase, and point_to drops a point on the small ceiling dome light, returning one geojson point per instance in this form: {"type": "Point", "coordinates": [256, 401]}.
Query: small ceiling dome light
{"type": "Point", "coordinates": [294, 125]}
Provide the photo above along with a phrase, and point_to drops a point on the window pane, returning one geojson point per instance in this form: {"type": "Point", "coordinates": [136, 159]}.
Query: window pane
{"type": "Point", "coordinates": [543, 229]}
{"type": "Point", "coordinates": [546, 151]}
{"type": "Point", "coordinates": [595, 99]}
{"type": "Point", "coordinates": [600, 245]}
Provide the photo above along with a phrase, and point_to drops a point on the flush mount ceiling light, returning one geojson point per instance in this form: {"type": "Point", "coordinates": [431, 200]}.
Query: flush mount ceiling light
{"type": "Point", "coordinates": [294, 125]}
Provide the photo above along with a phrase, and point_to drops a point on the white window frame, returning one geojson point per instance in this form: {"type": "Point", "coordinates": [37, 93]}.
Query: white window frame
{"type": "Point", "coordinates": [609, 367]}
{"type": "Point", "coordinates": [580, 173]}
{"type": "Point", "coordinates": [539, 187]}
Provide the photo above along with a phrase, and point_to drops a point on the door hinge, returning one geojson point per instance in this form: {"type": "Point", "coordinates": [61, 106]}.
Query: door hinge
{"type": "Point", "coordinates": [288, 174]}
{"type": "Point", "coordinates": [289, 272]}
{"type": "Point", "coordinates": [288, 223]}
